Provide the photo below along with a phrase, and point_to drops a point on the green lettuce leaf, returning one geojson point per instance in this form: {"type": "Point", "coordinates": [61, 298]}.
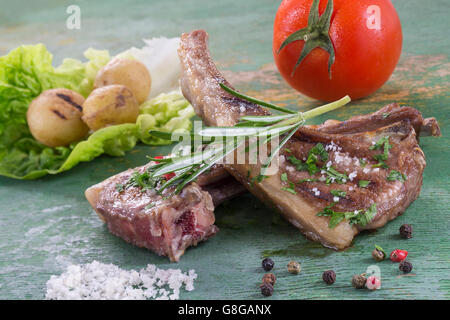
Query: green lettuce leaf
{"type": "Point", "coordinates": [27, 71]}
{"type": "Point", "coordinates": [169, 112]}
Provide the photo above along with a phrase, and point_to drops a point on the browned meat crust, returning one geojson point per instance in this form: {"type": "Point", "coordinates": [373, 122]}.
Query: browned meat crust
{"type": "Point", "coordinates": [347, 143]}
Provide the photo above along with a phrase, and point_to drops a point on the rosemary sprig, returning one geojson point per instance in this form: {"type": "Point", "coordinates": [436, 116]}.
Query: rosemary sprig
{"type": "Point", "coordinates": [188, 167]}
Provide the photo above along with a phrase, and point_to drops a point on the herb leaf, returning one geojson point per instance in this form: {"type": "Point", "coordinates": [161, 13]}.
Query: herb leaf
{"type": "Point", "coordinates": [381, 158]}
{"type": "Point", "coordinates": [317, 152]}
{"type": "Point", "coordinates": [396, 175]}
{"type": "Point", "coordinates": [338, 193]}
{"type": "Point", "coordinates": [334, 176]}
{"type": "Point", "coordinates": [356, 217]}
{"type": "Point", "coordinates": [363, 183]}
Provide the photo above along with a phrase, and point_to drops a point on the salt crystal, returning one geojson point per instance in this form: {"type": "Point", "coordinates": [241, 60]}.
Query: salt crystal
{"type": "Point", "coordinates": [98, 281]}
{"type": "Point", "coordinates": [352, 175]}
{"type": "Point", "coordinates": [335, 199]}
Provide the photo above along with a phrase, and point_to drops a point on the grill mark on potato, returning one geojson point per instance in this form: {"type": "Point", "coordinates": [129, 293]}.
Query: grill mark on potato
{"type": "Point", "coordinates": [59, 114]}
{"type": "Point", "coordinates": [120, 101]}
{"type": "Point", "coordinates": [70, 101]}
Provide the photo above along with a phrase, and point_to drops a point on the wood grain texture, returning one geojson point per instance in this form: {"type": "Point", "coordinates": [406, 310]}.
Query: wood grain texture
{"type": "Point", "coordinates": [47, 224]}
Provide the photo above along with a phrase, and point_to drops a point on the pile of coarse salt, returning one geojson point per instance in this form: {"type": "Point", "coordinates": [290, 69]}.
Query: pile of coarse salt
{"type": "Point", "coordinates": [99, 281]}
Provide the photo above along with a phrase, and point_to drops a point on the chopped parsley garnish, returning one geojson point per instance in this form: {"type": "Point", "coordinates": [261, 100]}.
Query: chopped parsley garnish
{"type": "Point", "coordinates": [120, 187]}
{"type": "Point", "coordinates": [380, 143]}
{"type": "Point", "coordinates": [396, 175]}
{"type": "Point", "coordinates": [142, 180]}
{"type": "Point", "coordinates": [363, 183]}
{"type": "Point", "coordinates": [338, 193]}
{"type": "Point", "coordinates": [317, 152]}
{"type": "Point", "coordinates": [359, 217]}
{"type": "Point", "coordinates": [287, 150]}
{"type": "Point", "coordinates": [151, 205]}
{"type": "Point", "coordinates": [386, 114]}
{"type": "Point", "coordinates": [334, 176]}
{"type": "Point", "coordinates": [291, 187]}
{"type": "Point", "coordinates": [362, 162]}
{"type": "Point", "coordinates": [259, 178]}
{"type": "Point", "coordinates": [381, 158]}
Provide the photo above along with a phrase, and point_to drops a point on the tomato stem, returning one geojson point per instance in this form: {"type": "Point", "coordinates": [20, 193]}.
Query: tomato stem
{"type": "Point", "coordinates": [315, 35]}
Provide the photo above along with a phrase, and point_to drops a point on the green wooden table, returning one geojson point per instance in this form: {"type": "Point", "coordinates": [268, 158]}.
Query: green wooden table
{"type": "Point", "coordinates": [47, 224]}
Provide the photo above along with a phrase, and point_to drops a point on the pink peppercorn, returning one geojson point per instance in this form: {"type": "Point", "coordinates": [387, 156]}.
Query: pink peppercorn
{"type": "Point", "coordinates": [373, 283]}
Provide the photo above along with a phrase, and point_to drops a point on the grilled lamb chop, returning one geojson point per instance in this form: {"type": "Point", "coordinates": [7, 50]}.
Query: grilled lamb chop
{"type": "Point", "coordinates": [348, 145]}
{"type": "Point", "coordinates": [165, 226]}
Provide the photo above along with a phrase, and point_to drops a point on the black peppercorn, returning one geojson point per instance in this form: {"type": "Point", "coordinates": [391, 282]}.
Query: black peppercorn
{"type": "Point", "coordinates": [267, 264]}
{"type": "Point", "coordinates": [266, 289]}
{"type": "Point", "coordinates": [269, 278]}
{"type": "Point", "coordinates": [406, 231]}
{"type": "Point", "coordinates": [405, 266]}
{"type": "Point", "coordinates": [359, 281]}
{"type": "Point", "coordinates": [329, 277]}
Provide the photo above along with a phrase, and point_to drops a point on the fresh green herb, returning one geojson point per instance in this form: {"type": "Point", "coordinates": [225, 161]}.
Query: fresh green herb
{"type": "Point", "coordinates": [299, 164]}
{"type": "Point", "coordinates": [386, 114]}
{"type": "Point", "coordinates": [120, 187]}
{"type": "Point", "coordinates": [144, 180]}
{"type": "Point", "coordinates": [318, 150]}
{"type": "Point", "coordinates": [290, 189]}
{"type": "Point", "coordinates": [338, 193]}
{"type": "Point", "coordinates": [396, 175]}
{"type": "Point", "coordinates": [363, 183]}
{"type": "Point", "coordinates": [307, 180]}
{"type": "Point", "coordinates": [334, 176]}
{"type": "Point", "coordinates": [379, 143]}
{"type": "Point", "coordinates": [362, 162]}
{"type": "Point", "coordinates": [287, 150]}
{"type": "Point", "coordinates": [314, 155]}
{"type": "Point", "coordinates": [188, 167]}
{"type": "Point", "coordinates": [151, 205]}
{"type": "Point", "coordinates": [381, 158]}
{"type": "Point", "coordinates": [359, 217]}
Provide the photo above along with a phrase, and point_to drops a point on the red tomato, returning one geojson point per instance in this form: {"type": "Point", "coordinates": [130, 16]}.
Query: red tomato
{"type": "Point", "coordinates": [367, 40]}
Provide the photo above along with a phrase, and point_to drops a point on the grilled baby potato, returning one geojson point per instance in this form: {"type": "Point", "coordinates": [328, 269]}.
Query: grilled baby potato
{"type": "Point", "coordinates": [110, 105]}
{"type": "Point", "coordinates": [130, 73]}
{"type": "Point", "coordinates": [54, 117]}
